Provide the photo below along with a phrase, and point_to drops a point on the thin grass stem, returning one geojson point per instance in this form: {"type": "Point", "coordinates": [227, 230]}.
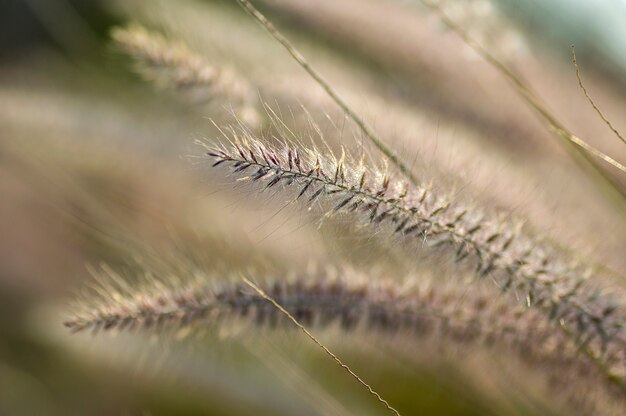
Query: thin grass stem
{"type": "Point", "coordinates": [593, 104]}
{"type": "Point", "coordinates": [299, 58]}
{"type": "Point", "coordinates": [322, 346]}
{"type": "Point", "coordinates": [610, 186]}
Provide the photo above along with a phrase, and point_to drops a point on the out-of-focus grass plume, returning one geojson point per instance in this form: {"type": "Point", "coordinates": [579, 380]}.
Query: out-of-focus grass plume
{"type": "Point", "coordinates": [495, 285]}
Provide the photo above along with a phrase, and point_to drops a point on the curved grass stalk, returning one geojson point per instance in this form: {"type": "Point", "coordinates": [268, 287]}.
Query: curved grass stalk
{"type": "Point", "coordinates": [610, 187]}
{"type": "Point", "coordinates": [593, 104]}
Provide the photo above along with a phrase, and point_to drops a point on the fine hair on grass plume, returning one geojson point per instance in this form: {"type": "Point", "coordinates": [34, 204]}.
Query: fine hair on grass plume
{"type": "Point", "coordinates": [420, 310]}
{"type": "Point", "coordinates": [425, 218]}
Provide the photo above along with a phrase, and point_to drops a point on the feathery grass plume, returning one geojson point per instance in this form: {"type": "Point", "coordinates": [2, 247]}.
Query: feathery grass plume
{"type": "Point", "coordinates": [349, 300]}
{"type": "Point", "coordinates": [172, 65]}
{"type": "Point", "coordinates": [430, 312]}
{"type": "Point", "coordinates": [499, 249]}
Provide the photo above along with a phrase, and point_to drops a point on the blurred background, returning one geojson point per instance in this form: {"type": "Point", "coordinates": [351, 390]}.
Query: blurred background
{"type": "Point", "coordinates": [97, 170]}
